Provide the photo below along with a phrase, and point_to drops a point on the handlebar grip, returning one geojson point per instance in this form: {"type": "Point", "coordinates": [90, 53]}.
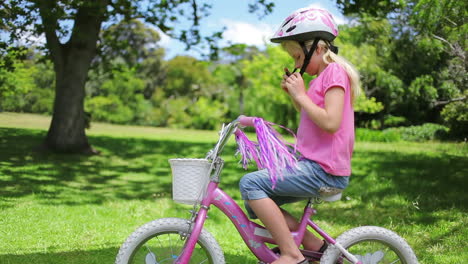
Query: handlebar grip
{"type": "Point", "coordinates": [246, 120]}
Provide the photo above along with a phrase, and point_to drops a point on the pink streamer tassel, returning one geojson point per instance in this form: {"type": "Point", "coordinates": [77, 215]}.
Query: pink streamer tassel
{"type": "Point", "coordinates": [270, 153]}
{"type": "Point", "coordinates": [247, 149]}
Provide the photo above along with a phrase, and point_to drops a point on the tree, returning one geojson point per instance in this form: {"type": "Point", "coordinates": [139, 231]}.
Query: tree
{"type": "Point", "coordinates": [426, 51]}
{"type": "Point", "coordinates": [135, 45]}
{"type": "Point", "coordinates": [16, 80]}
{"type": "Point", "coordinates": [189, 96]}
{"type": "Point", "coordinates": [72, 30]}
{"type": "Point", "coordinates": [229, 71]}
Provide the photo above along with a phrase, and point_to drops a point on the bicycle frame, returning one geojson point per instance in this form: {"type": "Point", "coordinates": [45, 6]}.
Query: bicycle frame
{"type": "Point", "coordinates": [254, 235]}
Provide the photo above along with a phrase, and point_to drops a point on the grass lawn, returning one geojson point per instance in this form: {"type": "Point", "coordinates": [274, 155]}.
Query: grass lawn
{"type": "Point", "coordinates": [79, 209]}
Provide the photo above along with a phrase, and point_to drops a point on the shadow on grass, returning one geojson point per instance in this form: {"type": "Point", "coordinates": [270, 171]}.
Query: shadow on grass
{"type": "Point", "coordinates": [431, 182]}
{"type": "Point", "coordinates": [395, 189]}
{"type": "Point", "coordinates": [137, 168]}
{"type": "Point", "coordinates": [128, 168]}
{"type": "Point", "coordinates": [99, 256]}
{"type": "Point", "coordinates": [106, 255]}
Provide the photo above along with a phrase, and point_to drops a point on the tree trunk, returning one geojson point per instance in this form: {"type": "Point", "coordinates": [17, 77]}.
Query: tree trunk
{"type": "Point", "coordinates": [71, 64]}
{"type": "Point", "coordinates": [67, 129]}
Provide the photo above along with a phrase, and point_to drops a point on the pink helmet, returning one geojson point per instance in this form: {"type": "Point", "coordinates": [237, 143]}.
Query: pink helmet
{"type": "Point", "coordinates": [307, 24]}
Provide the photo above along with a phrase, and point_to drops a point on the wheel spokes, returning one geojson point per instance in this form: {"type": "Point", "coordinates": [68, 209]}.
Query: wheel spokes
{"type": "Point", "coordinates": [373, 252]}
{"type": "Point", "coordinates": [166, 248]}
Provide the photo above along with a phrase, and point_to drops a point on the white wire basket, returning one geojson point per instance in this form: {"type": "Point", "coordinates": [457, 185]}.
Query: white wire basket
{"type": "Point", "coordinates": [190, 178]}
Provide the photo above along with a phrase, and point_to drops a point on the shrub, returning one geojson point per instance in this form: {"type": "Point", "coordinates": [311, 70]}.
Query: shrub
{"type": "Point", "coordinates": [207, 114]}
{"type": "Point", "coordinates": [109, 109]}
{"type": "Point", "coordinates": [370, 135]}
{"type": "Point", "coordinates": [424, 132]}
{"type": "Point", "coordinates": [455, 116]}
{"type": "Point", "coordinates": [393, 121]}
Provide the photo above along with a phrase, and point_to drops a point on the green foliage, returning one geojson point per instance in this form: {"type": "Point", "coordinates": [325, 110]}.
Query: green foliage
{"type": "Point", "coordinates": [393, 121]}
{"type": "Point", "coordinates": [455, 116]}
{"type": "Point", "coordinates": [189, 97]}
{"type": "Point", "coordinates": [207, 114]}
{"type": "Point", "coordinates": [425, 132]}
{"type": "Point", "coordinates": [109, 108]}
{"type": "Point", "coordinates": [10, 59]}
{"type": "Point", "coordinates": [27, 85]}
{"type": "Point", "coordinates": [128, 41]}
{"type": "Point", "coordinates": [176, 111]}
{"type": "Point", "coordinates": [187, 76]}
{"type": "Point", "coordinates": [421, 133]}
{"type": "Point", "coordinates": [381, 89]}
{"type": "Point", "coordinates": [365, 105]}
{"type": "Point", "coordinates": [372, 7]}
{"type": "Point", "coordinates": [370, 135]}
{"type": "Point", "coordinates": [410, 74]}
{"type": "Point", "coordinates": [16, 85]}
{"type": "Point", "coordinates": [120, 99]}
{"type": "Point", "coordinates": [134, 45]}
{"type": "Point", "coordinates": [422, 45]}
{"type": "Point", "coordinates": [421, 93]}
{"type": "Point", "coordinates": [263, 94]}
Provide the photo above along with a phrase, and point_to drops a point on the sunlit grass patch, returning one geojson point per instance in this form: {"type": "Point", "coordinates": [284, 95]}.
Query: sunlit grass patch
{"type": "Point", "coordinates": [75, 209]}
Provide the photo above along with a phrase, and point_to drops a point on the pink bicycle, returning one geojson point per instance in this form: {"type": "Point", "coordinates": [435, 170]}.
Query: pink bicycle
{"type": "Point", "coordinates": [176, 240]}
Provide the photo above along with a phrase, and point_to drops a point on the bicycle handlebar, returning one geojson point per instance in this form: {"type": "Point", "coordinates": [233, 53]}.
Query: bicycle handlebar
{"type": "Point", "coordinates": [246, 120]}
{"type": "Point", "coordinates": [226, 132]}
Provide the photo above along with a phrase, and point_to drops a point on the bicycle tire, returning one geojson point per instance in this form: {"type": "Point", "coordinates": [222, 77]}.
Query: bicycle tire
{"type": "Point", "coordinates": [358, 237]}
{"type": "Point", "coordinates": [174, 227]}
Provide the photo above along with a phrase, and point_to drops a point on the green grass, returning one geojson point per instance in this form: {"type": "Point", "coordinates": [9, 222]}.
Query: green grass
{"type": "Point", "coordinates": [79, 209]}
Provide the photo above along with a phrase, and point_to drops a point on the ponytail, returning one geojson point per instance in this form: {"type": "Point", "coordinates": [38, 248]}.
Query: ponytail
{"type": "Point", "coordinates": [329, 57]}
{"type": "Point", "coordinates": [353, 74]}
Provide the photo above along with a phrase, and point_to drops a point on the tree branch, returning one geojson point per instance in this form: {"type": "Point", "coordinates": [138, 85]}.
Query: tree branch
{"type": "Point", "coordinates": [87, 24]}
{"type": "Point", "coordinates": [4, 5]}
{"type": "Point", "coordinates": [451, 22]}
{"type": "Point", "coordinates": [195, 15]}
{"type": "Point", "coordinates": [456, 50]}
{"type": "Point", "coordinates": [443, 40]}
{"type": "Point", "coordinates": [50, 24]}
{"type": "Point", "coordinates": [445, 102]}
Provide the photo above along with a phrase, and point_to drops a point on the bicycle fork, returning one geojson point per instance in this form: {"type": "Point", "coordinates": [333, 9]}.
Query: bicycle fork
{"type": "Point", "coordinates": [192, 235]}
{"type": "Point", "coordinates": [309, 211]}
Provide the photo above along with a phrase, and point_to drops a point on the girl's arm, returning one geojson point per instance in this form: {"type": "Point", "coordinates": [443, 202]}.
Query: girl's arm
{"type": "Point", "coordinates": [283, 86]}
{"type": "Point", "coordinates": [327, 118]}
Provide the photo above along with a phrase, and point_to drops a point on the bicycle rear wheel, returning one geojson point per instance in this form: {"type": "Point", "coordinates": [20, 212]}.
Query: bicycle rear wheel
{"type": "Point", "coordinates": [371, 245]}
{"type": "Point", "coordinates": [160, 242]}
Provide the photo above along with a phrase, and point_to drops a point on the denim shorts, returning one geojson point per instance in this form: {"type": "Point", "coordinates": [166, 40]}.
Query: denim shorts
{"type": "Point", "coordinates": [299, 184]}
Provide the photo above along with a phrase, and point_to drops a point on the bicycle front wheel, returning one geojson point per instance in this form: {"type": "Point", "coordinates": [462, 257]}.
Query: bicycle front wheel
{"type": "Point", "coordinates": [371, 245]}
{"type": "Point", "coordinates": [162, 241]}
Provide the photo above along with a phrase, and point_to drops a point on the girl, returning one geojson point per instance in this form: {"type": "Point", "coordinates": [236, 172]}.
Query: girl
{"type": "Point", "coordinates": [325, 136]}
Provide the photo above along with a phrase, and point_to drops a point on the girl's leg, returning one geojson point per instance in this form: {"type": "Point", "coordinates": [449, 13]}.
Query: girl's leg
{"type": "Point", "coordinates": [310, 241]}
{"type": "Point", "coordinates": [257, 191]}
{"type": "Point", "coordinates": [272, 217]}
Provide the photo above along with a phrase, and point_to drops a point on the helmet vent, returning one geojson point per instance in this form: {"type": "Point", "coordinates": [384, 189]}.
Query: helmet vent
{"type": "Point", "coordinates": [291, 29]}
{"type": "Point", "coordinates": [287, 21]}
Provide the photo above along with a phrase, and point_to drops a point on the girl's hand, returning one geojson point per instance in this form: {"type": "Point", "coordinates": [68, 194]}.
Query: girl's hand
{"type": "Point", "coordinates": [283, 82]}
{"type": "Point", "coordinates": [294, 85]}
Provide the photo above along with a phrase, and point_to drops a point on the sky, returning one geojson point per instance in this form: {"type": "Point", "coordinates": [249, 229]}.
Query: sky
{"type": "Point", "coordinates": [243, 27]}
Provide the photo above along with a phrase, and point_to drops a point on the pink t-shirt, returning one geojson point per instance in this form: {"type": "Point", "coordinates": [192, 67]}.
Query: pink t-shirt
{"type": "Point", "coordinates": [332, 151]}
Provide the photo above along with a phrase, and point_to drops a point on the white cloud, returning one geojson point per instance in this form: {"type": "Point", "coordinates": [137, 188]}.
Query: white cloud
{"type": "Point", "coordinates": [165, 39]}
{"type": "Point", "coordinates": [238, 32]}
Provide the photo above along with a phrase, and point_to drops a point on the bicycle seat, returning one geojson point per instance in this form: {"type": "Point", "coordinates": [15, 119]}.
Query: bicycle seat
{"type": "Point", "coordinates": [329, 194]}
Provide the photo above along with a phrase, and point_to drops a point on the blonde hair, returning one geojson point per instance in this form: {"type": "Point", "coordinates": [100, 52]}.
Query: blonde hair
{"type": "Point", "coordinates": [293, 47]}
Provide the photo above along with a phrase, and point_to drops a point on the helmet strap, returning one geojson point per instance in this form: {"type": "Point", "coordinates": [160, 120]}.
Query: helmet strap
{"type": "Point", "coordinates": [308, 54]}
{"type": "Point", "coordinates": [334, 49]}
